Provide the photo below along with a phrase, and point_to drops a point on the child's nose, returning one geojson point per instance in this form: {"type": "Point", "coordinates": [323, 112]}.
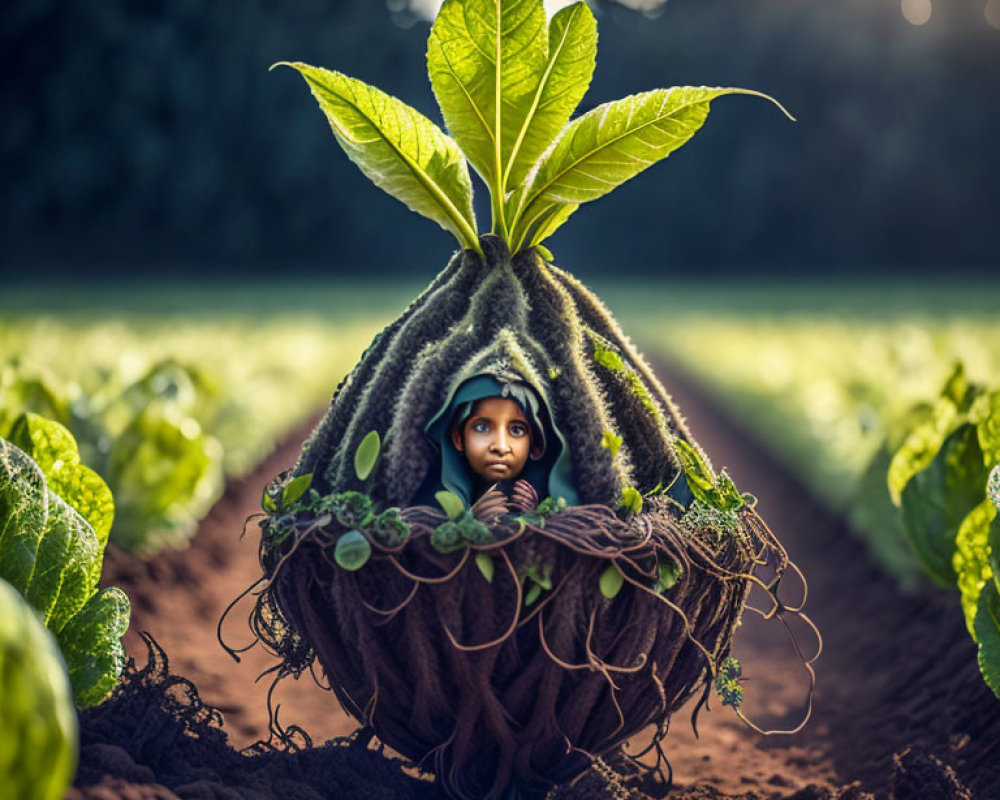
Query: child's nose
{"type": "Point", "coordinates": [501, 441]}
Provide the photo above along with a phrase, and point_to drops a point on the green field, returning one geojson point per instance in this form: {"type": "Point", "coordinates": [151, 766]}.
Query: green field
{"type": "Point", "coordinates": [824, 376]}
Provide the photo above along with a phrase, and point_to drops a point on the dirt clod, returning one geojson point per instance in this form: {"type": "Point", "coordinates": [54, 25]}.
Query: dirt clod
{"type": "Point", "coordinates": [923, 776]}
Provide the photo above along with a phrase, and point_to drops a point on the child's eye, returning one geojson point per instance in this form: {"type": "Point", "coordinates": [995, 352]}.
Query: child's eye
{"type": "Point", "coordinates": [480, 427]}
{"type": "Point", "coordinates": [517, 429]}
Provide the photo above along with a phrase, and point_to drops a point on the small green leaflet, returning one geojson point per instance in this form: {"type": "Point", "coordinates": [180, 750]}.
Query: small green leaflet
{"type": "Point", "coordinates": [398, 148]}
{"type": "Point", "coordinates": [352, 551]}
{"type": "Point", "coordinates": [451, 503]}
{"type": "Point", "coordinates": [485, 563]}
{"type": "Point", "coordinates": [611, 582]}
{"type": "Point", "coordinates": [699, 476]}
{"type": "Point", "coordinates": [611, 442]}
{"type": "Point", "coordinates": [267, 502]}
{"type": "Point", "coordinates": [533, 593]}
{"type": "Point", "coordinates": [367, 454]}
{"type": "Point", "coordinates": [295, 489]}
{"type": "Point", "coordinates": [609, 145]}
{"type": "Point", "coordinates": [667, 574]}
{"type": "Point", "coordinates": [631, 500]}
{"type": "Point", "coordinates": [987, 633]}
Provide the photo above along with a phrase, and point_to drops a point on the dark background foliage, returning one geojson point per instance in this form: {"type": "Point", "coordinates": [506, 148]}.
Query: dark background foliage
{"type": "Point", "coordinates": [144, 138]}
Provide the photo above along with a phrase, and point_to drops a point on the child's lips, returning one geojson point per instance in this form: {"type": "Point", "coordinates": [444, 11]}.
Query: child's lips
{"type": "Point", "coordinates": [499, 466]}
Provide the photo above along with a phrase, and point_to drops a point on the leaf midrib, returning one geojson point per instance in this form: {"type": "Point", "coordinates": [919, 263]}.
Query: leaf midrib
{"type": "Point", "coordinates": [541, 191]}
{"type": "Point", "coordinates": [537, 99]}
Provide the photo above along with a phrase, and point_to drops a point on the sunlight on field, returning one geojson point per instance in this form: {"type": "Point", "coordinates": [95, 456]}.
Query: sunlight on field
{"type": "Point", "coordinates": [830, 395]}
{"type": "Point", "coordinates": [259, 379]}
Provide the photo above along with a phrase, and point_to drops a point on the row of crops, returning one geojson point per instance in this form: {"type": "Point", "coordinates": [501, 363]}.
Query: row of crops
{"type": "Point", "coordinates": [166, 409]}
{"type": "Point", "coordinates": [891, 419]}
{"type": "Point", "coordinates": [125, 427]}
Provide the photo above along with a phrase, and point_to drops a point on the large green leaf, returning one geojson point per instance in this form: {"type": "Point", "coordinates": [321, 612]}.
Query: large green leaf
{"type": "Point", "coordinates": [398, 148]}
{"type": "Point", "coordinates": [987, 633]}
{"type": "Point", "coordinates": [937, 499]}
{"type": "Point", "coordinates": [91, 645]}
{"type": "Point", "coordinates": [24, 514]}
{"type": "Point", "coordinates": [52, 447]}
{"type": "Point", "coordinates": [920, 446]}
{"type": "Point", "coordinates": [52, 556]}
{"type": "Point", "coordinates": [972, 557]}
{"type": "Point", "coordinates": [479, 51]}
{"type": "Point", "coordinates": [609, 145]}
{"type": "Point", "coordinates": [566, 77]}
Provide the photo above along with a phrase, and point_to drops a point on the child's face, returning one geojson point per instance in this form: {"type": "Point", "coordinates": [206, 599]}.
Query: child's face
{"type": "Point", "coordinates": [496, 439]}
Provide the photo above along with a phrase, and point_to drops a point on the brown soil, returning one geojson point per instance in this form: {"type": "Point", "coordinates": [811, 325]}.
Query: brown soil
{"type": "Point", "coordinates": [900, 710]}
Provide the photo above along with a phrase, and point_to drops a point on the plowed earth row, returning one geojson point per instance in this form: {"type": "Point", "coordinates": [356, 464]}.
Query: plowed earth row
{"type": "Point", "coordinates": [899, 709]}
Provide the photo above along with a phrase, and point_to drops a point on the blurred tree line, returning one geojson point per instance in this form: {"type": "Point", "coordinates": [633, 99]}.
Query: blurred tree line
{"type": "Point", "coordinates": [150, 136]}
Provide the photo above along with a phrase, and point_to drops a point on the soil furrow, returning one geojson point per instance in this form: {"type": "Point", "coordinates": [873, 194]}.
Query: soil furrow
{"type": "Point", "coordinates": [897, 676]}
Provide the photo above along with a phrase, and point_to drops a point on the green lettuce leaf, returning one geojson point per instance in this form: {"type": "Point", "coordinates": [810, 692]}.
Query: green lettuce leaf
{"type": "Point", "coordinates": [54, 449]}
{"type": "Point", "coordinates": [166, 474]}
{"type": "Point", "coordinates": [24, 514]}
{"type": "Point", "coordinates": [91, 645]}
{"type": "Point", "coordinates": [987, 633]}
{"type": "Point", "coordinates": [606, 147]}
{"type": "Point", "coordinates": [920, 446]}
{"type": "Point", "coordinates": [52, 556]}
{"type": "Point", "coordinates": [972, 558]}
{"type": "Point", "coordinates": [397, 148]}
{"type": "Point", "coordinates": [479, 51]}
{"type": "Point", "coordinates": [987, 413]}
{"type": "Point", "coordinates": [937, 499]}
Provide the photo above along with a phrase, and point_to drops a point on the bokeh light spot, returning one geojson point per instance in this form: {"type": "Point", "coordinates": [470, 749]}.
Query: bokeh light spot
{"type": "Point", "coordinates": [916, 12]}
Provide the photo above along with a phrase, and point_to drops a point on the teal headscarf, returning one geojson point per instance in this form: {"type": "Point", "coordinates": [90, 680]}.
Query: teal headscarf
{"type": "Point", "coordinates": [551, 474]}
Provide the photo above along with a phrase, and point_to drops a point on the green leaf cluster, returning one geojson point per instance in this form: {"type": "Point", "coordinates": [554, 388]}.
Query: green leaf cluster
{"type": "Point", "coordinates": [715, 491]}
{"type": "Point", "coordinates": [727, 683]}
{"type": "Point", "coordinates": [946, 479]}
{"type": "Point", "coordinates": [143, 438]}
{"type": "Point", "coordinates": [55, 516]}
{"type": "Point", "coordinates": [299, 506]}
{"type": "Point", "coordinates": [458, 532]}
{"type": "Point", "coordinates": [536, 577]}
{"type": "Point", "coordinates": [507, 80]}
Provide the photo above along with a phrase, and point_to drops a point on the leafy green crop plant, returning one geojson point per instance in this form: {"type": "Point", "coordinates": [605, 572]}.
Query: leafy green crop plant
{"type": "Point", "coordinates": [946, 480]}
{"type": "Point", "coordinates": [55, 516]}
{"type": "Point", "coordinates": [38, 738]}
{"type": "Point", "coordinates": [508, 642]}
